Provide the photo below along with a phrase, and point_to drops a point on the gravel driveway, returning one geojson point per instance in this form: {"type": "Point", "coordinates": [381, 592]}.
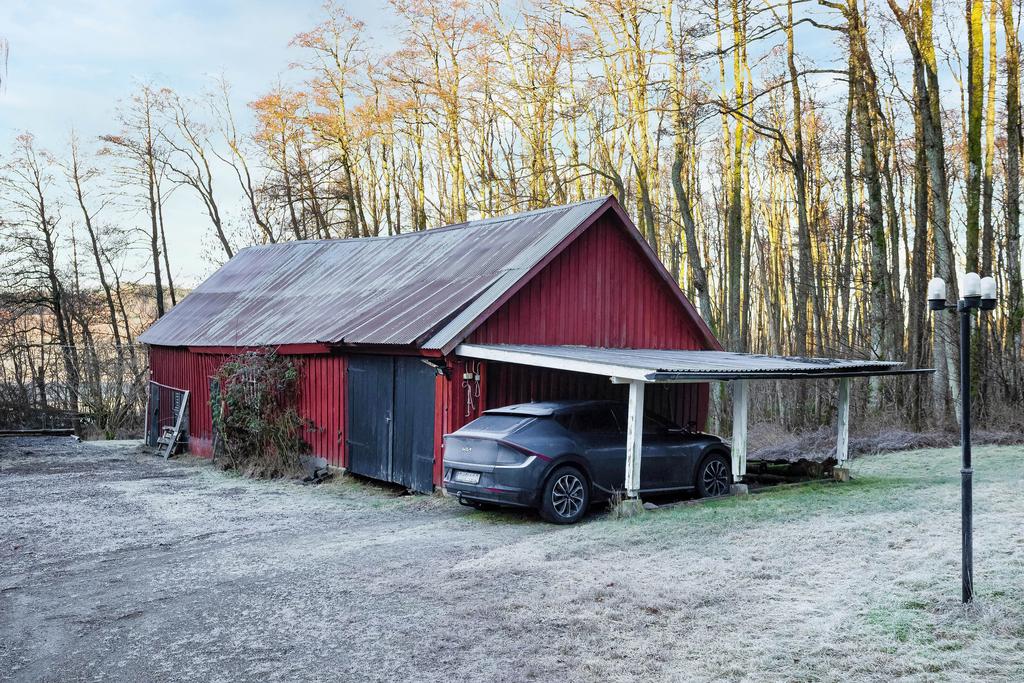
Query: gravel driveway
{"type": "Point", "coordinates": [117, 565]}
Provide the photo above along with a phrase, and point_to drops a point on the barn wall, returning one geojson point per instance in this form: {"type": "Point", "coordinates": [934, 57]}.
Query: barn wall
{"type": "Point", "coordinates": [601, 291]}
{"type": "Point", "coordinates": [457, 402]}
{"type": "Point", "coordinates": [182, 369]}
{"type": "Point", "coordinates": [322, 399]}
{"type": "Point", "coordinates": [321, 396]}
{"type": "Point", "coordinates": [507, 384]}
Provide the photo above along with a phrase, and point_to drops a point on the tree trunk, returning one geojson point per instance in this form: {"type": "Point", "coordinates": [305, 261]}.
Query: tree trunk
{"type": "Point", "coordinates": [975, 106]}
{"type": "Point", "coordinates": [154, 242]}
{"type": "Point", "coordinates": [879, 269]}
{"type": "Point", "coordinates": [163, 244]}
{"type": "Point", "coordinates": [1015, 304]}
{"type": "Point", "coordinates": [76, 179]}
{"type": "Point", "coordinates": [917, 327]}
{"type": "Point", "coordinates": [805, 290]}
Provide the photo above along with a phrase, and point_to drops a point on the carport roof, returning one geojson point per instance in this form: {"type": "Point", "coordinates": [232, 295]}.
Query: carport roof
{"type": "Point", "coordinates": [668, 365]}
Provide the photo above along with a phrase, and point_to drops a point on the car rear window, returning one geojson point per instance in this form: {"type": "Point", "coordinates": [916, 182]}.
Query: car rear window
{"type": "Point", "coordinates": [594, 421]}
{"type": "Point", "coordinates": [496, 423]}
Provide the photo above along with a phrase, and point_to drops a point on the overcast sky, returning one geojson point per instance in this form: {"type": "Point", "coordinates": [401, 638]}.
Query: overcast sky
{"type": "Point", "coordinates": [71, 62]}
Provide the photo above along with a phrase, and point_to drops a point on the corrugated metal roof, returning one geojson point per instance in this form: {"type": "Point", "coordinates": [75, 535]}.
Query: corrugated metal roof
{"type": "Point", "coordinates": [532, 254]}
{"type": "Point", "coordinates": [665, 365]}
{"type": "Point", "coordinates": [408, 289]}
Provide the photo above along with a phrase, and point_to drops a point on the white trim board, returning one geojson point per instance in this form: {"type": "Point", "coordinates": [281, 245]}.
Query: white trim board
{"type": "Point", "coordinates": [556, 363]}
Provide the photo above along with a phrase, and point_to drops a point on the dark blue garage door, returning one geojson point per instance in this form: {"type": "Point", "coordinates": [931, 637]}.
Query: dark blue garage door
{"type": "Point", "coordinates": [391, 419]}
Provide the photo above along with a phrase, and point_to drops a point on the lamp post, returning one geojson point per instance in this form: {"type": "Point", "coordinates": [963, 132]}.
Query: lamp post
{"type": "Point", "coordinates": [977, 293]}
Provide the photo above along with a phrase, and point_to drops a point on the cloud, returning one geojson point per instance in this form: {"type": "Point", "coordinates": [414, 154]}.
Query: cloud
{"type": "Point", "coordinates": [72, 62]}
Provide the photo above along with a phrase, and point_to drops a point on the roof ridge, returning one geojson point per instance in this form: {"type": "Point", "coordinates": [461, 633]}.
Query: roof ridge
{"type": "Point", "coordinates": [480, 222]}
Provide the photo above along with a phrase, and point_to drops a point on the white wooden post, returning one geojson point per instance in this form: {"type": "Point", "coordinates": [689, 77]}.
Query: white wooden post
{"type": "Point", "coordinates": [634, 438]}
{"type": "Point", "coordinates": [739, 429]}
{"type": "Point", "coordinates": [843, 423]}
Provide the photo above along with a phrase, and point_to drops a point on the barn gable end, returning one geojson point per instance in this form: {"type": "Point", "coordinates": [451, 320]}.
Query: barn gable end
{"type": "Point", "coordinates": [602, 290]}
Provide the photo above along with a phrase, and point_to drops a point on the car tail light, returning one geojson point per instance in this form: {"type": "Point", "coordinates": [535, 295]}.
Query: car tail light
{"type": "Point", "coordinates": [513, 454]}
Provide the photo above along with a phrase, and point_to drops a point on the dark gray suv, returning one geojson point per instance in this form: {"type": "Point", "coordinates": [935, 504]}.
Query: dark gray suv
{"type": "Point", "coordinates": [561, 456]}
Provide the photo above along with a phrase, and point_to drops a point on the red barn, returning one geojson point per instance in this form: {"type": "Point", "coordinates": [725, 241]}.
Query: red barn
{"type": "Point", "coordinates": [375, 323]}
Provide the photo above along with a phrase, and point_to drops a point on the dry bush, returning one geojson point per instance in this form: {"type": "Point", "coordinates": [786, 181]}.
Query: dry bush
{"type": "Point", "coordinates": [770, 442]}
{"type": "Point", "coordinates": [254, 415]}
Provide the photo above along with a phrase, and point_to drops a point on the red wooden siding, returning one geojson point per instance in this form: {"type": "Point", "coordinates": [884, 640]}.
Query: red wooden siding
{"type": "Point", "coordinates": [182, 369]}
{"type": "Point", "coordinates": [509, 384]}
{"type": "Point", "coordinates": [457, 402]}
{"type": "Point", "coordinates": [321, 396]}
{"type": "Point", "coordinates": [601, 291]}
{"type": "Point", "coordinates": [322, 400]}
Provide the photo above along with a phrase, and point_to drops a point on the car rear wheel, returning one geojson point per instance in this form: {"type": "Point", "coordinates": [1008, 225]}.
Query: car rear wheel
{"type": "Point", "coordinates": [713, 476]}
{"type": "Point", "coordinates": [566, 496]}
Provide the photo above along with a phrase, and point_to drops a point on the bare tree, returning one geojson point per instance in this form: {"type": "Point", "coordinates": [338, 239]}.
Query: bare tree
{"type": "Point", "coordinates": [189, 159]}
{"type": "Point", "coordinates": [237, 158]}
{"type": "Point", "coordinates": [31, 230]}
{"type": "Point", "coordinates": [138, 146]}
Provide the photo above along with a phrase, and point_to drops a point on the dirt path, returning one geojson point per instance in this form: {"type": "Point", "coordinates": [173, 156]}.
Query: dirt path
{"type": "Point", "coordinates": [117, 565]}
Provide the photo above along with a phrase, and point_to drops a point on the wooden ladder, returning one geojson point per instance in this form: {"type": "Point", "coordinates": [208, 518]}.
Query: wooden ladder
{"type": "Point", "coordinates": [169, 438]}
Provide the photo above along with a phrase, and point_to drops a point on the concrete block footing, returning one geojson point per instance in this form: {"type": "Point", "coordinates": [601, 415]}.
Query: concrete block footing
{"type": "Point", "coordinates": [629, 507]}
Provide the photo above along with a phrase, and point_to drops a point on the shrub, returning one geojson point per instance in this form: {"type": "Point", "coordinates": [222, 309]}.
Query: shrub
{"type": "Point", "coordinates": [253, 408]}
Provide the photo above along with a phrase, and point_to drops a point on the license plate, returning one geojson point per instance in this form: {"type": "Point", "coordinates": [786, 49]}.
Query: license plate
{"type": "Point", "coordinates": [467, 477]}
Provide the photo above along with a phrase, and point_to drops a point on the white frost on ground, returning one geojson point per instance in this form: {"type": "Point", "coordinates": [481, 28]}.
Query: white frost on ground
{"type": "Point", "coordinates": [117, 565]}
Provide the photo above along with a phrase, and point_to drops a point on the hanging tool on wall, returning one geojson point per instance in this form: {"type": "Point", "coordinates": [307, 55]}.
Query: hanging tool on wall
{"type": "Point", "coordinates": [471, 385]}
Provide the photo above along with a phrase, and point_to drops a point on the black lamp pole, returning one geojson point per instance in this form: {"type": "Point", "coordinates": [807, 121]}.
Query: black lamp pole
{"type": "Point", "coordinates": [980, 294]}
{"type": "Point", "coordinates": [966, 471]}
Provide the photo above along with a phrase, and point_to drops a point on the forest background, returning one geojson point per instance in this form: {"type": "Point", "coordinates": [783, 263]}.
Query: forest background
{"type": "Point", "coordinates": [802, 168]}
